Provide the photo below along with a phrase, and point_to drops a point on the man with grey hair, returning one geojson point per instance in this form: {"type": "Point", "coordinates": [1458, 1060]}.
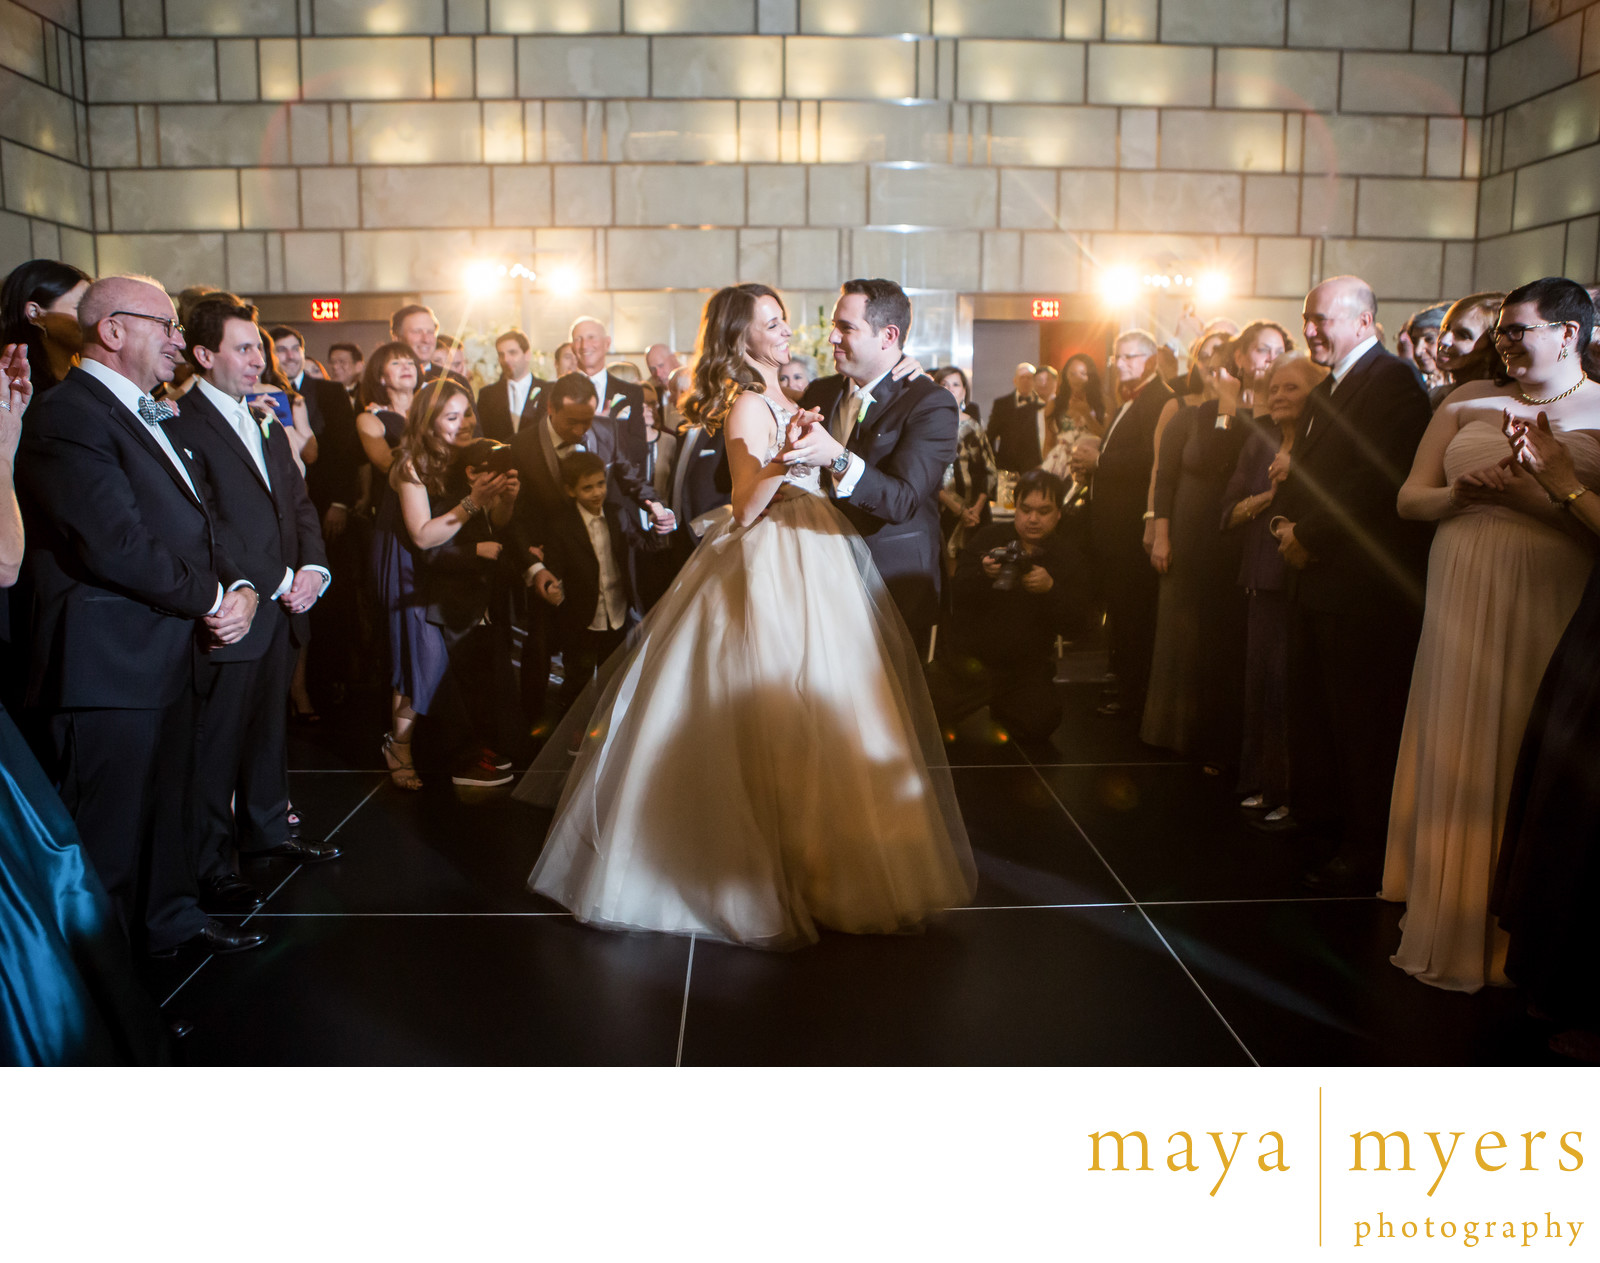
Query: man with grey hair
{"type": "Point", "coordinates": [1117, 515]}
{"type": "Point", "coordinates": [129, 584]}
{"type": "Point", "coordinates": [1357, 581]}
{"type": "Point", "coordinates": [661, 361]}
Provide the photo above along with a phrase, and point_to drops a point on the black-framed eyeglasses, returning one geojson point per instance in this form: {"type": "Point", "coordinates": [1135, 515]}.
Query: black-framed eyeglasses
{"type": "Point", "coordinates": [170, 322]}
{"type": "Point", "coordinates": [1514, 333]}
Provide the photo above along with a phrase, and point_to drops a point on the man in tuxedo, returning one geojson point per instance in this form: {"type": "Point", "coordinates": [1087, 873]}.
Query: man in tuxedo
{"type": "Point", "coordinates": [418, 328]}
{"type": "Point", "coordinates": [268, 526]}
{"type": "Point", "coordinates": [516, 400]}
{"type": "Point", "coordinates": [886, 443]}
{"type": "Point", "coordinates": [662, 362]}
{"type": "Point", "coordinates": [569, 425]}
{"type": "Point", "coordinates": [1357, 579]}
{"type": "Point", "coordinates": [1015, 424]}
{"type": "Point", "coordinates": [345, 363]}
{"type": "Point", "coordinates": [333, 481]}
{"type": "Point", "coordinates": [1117, 515]}
{"type": "Point", "coordinates": [619, 401]}
{"type": "Point", "coordinates": [130, 582]}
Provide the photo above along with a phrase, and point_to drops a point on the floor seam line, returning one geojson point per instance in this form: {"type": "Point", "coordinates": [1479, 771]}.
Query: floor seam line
{"type": "Point", "coordinates": [683, 1016]}
{"type": "Point", "coordinates": [1154, 929]}
{"type": "Point", "coordinates": [275, 890]}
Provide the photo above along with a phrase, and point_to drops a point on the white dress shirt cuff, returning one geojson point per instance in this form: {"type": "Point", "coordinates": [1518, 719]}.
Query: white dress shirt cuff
{"type": "Point", "coordinates": [217, 604]}
{"type": "Point", "coordinates": [527, 575]}
{"type": "Point", "coordinates": [288, 582]}
{"type": "Point", "coordinates": [232, 587]}
{"type": "Point", "coordinates": [847, 481]}
{"type": "Point", "coordinates": [327, 576]}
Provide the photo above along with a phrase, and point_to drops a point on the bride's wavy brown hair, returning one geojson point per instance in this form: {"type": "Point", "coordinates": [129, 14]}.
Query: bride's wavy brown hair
{"type": "Point", "coordinates": [421, 451]}
{"type": "Point", "coordinates": [721, 372]}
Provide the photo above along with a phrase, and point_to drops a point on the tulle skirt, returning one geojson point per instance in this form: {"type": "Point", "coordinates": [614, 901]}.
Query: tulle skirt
{"type": "Point", "coordinates": [762, 758]}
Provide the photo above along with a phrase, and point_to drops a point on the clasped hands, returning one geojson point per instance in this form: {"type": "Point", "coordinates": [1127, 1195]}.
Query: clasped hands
{"type": "Point", "coordinates": [233, 617]}
{"type": "Point", "coordinates": [807, 441]}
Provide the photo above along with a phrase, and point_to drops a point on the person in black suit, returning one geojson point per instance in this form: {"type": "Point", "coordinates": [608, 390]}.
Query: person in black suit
{"type": "Point", "coordinates": [1117, 516]}
{"type": "Point", "coordinates": [569, 426]}
{"type": "Point", "coordinates": [345, 361]}
{"type": "Point", "coordinates": [418, 328]}
{"type": "Point", "coordinates": [1018, 585]}
{"type": "Point", "coordinates": [333, 481]}
{"type": "Point", "coordinates": [268, 526]}
{"type": "Point", "coordinates": [587, 551]}
{"type": "Point", "coordinates": [517, 399]}
{"type": "Point", "coordinates": [887, 443]}
{"type": "Point", "coordinates": [1014, 424]}
{"type": "Point", "coordinates": [1358, 574]}
{"type": "Point", "coordinates": [130, 583]}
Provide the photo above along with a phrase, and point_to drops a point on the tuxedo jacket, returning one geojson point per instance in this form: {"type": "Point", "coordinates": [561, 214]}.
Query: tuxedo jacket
{"type": "Point", "coordinates": [695, 490]}
{"type": "Point", "coordinates": [494, 409]}
{"type": "Point", "coordinates": [264, 530]}
{"type": "Point", "coordinates": [123, 556]}
{"type": "Point", "coordinates": [907, 439]}
{"type": "Point", "coordinates": [569, 553]}
{"type": "Point", "coordinates": [1014, 434]}
{"type": "Point", "coordinates": [1355, 449]}
{"type": "Point", "coordinates": [1122, 481]}
{"type": "Point", "coordinates": [334, 477]}
{"type": "Point", "coordinates": [542, 496]}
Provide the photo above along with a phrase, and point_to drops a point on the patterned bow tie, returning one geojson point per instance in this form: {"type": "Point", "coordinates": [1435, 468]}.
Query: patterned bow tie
{"type": "Point", "coordinates": [154, 413]}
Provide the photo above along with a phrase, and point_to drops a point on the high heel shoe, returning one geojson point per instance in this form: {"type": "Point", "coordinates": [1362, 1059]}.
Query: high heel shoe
{"type": "Point", "coordinates": [402, 772]}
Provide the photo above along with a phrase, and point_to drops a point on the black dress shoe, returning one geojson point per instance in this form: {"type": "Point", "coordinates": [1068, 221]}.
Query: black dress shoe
{"type": "Point", "coordinates": [230, 894]}
{"type": "Point", "coordinates": [216, 938]}
{"type": "Point", "coordinates": [1339, 877]}
{"type": "Point", "coordinates": [302, 850]}
{"type": "Point", "coordinates": [1286, 825]}
{"type": "Point", "coordinates": [179, 1026]}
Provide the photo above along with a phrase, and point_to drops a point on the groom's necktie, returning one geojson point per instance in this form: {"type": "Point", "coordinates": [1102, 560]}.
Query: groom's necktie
{"type": "Point", "coordinates": [855, 408]}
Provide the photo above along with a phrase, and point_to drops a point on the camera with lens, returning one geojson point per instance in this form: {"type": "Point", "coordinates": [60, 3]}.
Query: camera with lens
{"type": "Point", "coordinates": [1014, 563]}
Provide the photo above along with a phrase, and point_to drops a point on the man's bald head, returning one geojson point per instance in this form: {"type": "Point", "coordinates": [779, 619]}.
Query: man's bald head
{"type": "Point", "coordinates": [1339, 314]}
{"type": "Point", "coordinates": [124, 321]}
{"type": "Point", "coordinates": [661, 360]}
{"type": "Point", "coordinates": [111, 293]}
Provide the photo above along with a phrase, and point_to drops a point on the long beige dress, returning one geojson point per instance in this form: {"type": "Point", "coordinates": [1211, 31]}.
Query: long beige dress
{"type": "Point", "coordinates": [1502, 587]}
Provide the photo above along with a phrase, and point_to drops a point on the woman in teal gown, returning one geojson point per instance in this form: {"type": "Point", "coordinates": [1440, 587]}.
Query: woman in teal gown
{"type": "Point", "coordinates": [68, 993]}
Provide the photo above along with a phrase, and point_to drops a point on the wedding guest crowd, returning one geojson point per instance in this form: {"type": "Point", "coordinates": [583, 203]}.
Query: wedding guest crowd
{"type": "Point", "coordinates": [1333, 574]}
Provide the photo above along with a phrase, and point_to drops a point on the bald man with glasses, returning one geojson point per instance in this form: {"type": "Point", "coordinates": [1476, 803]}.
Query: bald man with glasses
{"type": "Point", "coordinates": [130, 586]}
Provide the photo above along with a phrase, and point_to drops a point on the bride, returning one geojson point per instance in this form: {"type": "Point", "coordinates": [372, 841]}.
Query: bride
{"type": "Point", "coordinates": [762, 758]}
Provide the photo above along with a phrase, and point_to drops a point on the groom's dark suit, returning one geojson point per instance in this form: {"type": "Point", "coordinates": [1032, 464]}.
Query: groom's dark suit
{"type": "Point", "coordinates": [125, 563]}
{"type": "Point", "coordinates": [907, 439]}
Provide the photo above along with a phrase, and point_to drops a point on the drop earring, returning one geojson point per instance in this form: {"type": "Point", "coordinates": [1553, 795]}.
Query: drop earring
{"type": "Point", "coordinates": [1563, 354]}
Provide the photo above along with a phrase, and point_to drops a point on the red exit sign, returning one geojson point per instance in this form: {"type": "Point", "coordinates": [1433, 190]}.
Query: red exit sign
{"type": "Point", "coordinates": [328, 308]}
{"type": "Point", "coordinates": [1047, 309]}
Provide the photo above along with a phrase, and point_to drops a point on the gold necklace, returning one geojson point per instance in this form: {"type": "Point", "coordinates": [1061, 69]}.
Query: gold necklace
{"type": "Point", "coordinates": [1539, 403]}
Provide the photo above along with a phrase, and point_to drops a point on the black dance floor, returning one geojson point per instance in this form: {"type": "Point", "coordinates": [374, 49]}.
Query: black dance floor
{"type": "Point", "coordinates": [1126, 915]}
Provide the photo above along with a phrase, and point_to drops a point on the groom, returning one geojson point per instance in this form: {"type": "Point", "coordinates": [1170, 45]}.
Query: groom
{"type": "Point", "coordinates": [886, 445]}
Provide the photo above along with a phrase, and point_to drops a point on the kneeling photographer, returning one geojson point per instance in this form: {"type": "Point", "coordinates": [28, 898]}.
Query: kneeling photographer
{"type": "Point", "coordinates": [1018, 585]}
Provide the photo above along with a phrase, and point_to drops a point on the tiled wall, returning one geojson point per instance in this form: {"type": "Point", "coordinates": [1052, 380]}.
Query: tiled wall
{"type": "Point", "coordinates": [961, 146]}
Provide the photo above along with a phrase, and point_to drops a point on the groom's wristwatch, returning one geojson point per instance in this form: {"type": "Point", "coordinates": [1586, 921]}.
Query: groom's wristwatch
{"type": "Point", "coordinates": [841, 464]}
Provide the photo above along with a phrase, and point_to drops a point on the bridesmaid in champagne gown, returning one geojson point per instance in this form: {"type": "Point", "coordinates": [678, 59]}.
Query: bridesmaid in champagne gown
{"type": "Point", "coordinates": [1504, 578]}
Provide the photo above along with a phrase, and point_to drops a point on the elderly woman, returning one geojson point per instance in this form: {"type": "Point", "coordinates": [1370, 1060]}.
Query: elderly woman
{"type": "Point", "coordinates": [796, 375]}
{"type": "Point", "coordinates": [1284, 389]}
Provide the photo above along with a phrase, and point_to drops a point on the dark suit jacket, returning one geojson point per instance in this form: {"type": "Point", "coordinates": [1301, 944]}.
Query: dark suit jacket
{"type": "Point", "coordinates": [334, 477]}
{"type": "Point", "coordinates": [542, 495]}
{"type": "Point", "coordinates": [694, 475]}
{"type": "Point", "coordinates": [123, 556]}
{"type": "Point", "coordinates": [1355, 450]}
{"type": "Point", "coordinates": [1122, 481]}
{"type": "Point", "coordinates": [264, 531]}
{"type": "Point", "coordinates": [907, 440]}
{"type": "Point", "coordinates": [494, 409]}
{"type": "Point", "coordinates": [570, 555]}
{"type": "Point", "coordinates": [1013, 431]}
